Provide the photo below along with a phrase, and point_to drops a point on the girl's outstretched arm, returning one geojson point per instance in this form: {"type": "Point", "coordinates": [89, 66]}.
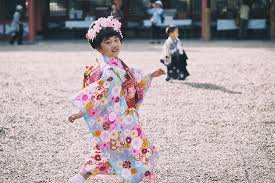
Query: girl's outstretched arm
{"type": "Point", "coordinates": [157, 73]}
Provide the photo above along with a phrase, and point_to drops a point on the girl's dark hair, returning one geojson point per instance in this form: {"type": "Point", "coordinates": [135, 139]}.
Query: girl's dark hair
{"type": "Point", "coordinates": [104, 34]}
{"type": "Point", "coordinates": [170, 29]}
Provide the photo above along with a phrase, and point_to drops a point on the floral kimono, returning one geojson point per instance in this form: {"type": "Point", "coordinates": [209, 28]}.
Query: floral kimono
{"type": "Point", "coordinates": [119, 142]}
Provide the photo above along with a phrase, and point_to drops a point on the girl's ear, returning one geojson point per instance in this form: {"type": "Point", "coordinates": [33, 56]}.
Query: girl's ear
{"type": "Point", "coordinates": [99, 50]}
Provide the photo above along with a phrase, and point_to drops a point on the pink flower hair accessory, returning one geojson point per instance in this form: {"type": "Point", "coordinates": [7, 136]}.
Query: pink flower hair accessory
{"type": "Point", "coordinates": [103, 23]}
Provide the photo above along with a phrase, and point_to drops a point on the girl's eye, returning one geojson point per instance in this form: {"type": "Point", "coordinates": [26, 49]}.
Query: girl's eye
{"type": "Point", "coordinates": [107, 42]}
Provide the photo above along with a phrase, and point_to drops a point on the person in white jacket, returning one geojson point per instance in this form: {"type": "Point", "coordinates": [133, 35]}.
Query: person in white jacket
{"type": "Point", "coordinates": [17, 26]}
{"type": "Point", "coordinates": [174, 56]}
{"type": "Point", "coordinates": [244, 17]}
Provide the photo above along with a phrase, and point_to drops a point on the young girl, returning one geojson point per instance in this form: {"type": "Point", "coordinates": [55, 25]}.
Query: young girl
{"type": "Point", "coordinates": [110, 107]}
{"type": "Point", "coordinates": [174, 56]}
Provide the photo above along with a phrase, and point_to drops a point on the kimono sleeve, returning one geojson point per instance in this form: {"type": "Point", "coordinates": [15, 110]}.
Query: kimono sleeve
{"type": "Point", "coordinates": [166, 52]}
{"type": "Point", "coordinates": [143, 84]}
{"type": "Point", "coordinates": [96, 97]}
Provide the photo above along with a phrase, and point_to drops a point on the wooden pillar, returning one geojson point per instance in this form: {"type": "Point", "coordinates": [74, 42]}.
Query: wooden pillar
{"type": "Point", "coordinates": [35, 18]}
{"type": "Point", "coordinates": [38, 16]}
{"type": "Point", "coordinates": [205, 21]}
{"type": "Point", "coordinates": [31, 13]}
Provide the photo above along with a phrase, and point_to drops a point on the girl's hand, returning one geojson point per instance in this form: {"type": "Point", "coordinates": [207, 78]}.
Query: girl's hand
{"type": "Point", "coordinates": [158, 73]}
{"type": "Point", "coordinates": [71, 118]}
{"type": "Point", "coordinates": [75, 116]}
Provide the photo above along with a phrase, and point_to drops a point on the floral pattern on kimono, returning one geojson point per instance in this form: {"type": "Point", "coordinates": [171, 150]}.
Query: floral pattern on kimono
{"type": "Point", "coordinates": [115, 127]}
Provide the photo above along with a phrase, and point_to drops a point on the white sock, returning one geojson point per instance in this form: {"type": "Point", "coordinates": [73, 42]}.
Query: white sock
{"type": "Point", "coordinates": [77, 179]}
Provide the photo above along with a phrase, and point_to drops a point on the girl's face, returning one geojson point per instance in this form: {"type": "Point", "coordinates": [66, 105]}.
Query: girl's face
{"type": "Point", "coordinates": [175, 34]}
{"type": "Point", "coordinates": [110, 47]}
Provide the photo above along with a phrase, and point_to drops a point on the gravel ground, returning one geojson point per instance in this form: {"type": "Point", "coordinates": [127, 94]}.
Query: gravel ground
{"type": "Point", "coordinates": [218, 126]}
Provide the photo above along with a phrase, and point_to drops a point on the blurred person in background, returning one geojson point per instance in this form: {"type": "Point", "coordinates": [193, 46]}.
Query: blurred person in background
{"type": "Point", "coordinates": [156, 13]}
{"type": "Point", "coordinates": [244, 17]}
{"type": "Point", "coordinates": [117, 13]}
{"type": "Point", "coordinates": [17, 26]}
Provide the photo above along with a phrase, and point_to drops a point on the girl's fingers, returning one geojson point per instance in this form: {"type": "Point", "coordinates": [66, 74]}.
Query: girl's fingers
{"type": "Point", "coordinates": [71, 119]}
{"type": "Point", "coordinates": [161, 71]}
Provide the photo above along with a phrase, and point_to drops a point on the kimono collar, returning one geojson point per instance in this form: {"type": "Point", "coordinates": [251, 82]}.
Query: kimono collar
{"type": "Point", "coordinates": [114, 62]}
{"type": "Point", "coordinates": [176, 42]}
{"type": "Point", "coordinates": [173, 40]}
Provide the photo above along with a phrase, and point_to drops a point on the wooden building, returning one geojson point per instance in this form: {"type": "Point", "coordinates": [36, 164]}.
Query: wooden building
{"type": "Point", "coordinates": [206, 19]}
